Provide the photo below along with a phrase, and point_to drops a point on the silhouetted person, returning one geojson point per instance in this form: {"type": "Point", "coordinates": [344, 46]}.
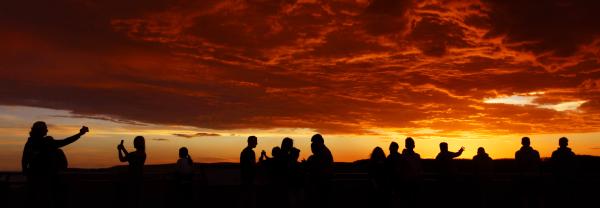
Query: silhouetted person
{"type": "Point", "coordinates": [393, 166]}
{"type": "Point", "coordinates": [447, 173]}
{"type": "Point", "coordinates": [184, 178]}
{"type": "Point", "coordinates": [482, 168]}
{"type": "Point", "coordinates": [378, 177]}
{"type": "Point", "coordinates": [248, 173]}
{"type": "Point", "coordinates": [411, 174]}
{"type": "Point", "coordinates": [42, 162]}
{"type": "Point", "coordinates": [482, 163]}
{"type": "Point", "coordinates": [564, 167]}
{"type": "Point", "coordinates": [527, 159]}
{"type": "Point", "coordinates": [563, 159]}
{"type": "Point", "coordinates": [274, 155]}
{"type": "Point", "coordinates": [290, 183]}
{"type": "Point", "coordinates": [135, 170]}
{"type": "Point", "coordinates": [273, 170]}
{"type": "Point", "coordinates": [528, 166]}
{"type": "Point", "coordinates": [318, 139]}
{"type": "Point", "coordinates": [319, 167]}
{"type": "Point", "coordinates": [445, 159]}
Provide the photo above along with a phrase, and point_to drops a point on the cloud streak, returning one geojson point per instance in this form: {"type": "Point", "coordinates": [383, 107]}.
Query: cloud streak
{"type": "Point", "coordinates": [199, 134]}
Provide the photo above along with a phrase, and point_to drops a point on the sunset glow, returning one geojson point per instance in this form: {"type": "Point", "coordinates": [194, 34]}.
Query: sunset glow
{"type": "Point", "coordinates": [207, 74]}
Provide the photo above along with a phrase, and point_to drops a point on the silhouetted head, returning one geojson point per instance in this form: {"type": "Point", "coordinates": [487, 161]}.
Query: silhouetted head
{"type": "Point", "coordinates": [525, 141]}
{"type": "Point", "coordinates": [275, 152]}
{"type": "Point", "coordinates": [183, 152]}
{"type": "Point", "coordinates": [444, 147]}
{"type": "Point", "coordinates": [317, 138]}
{"type": "Point", "coordinates": [480, 151]}
{"type": "Point", "coordinates": [394, 147]}
{"type": "Point", "coordinates": [252, 141]}
{"type": "Point", "coordinates": [409, 143]}
{"type": "Point", "coordinates": [295, 154]}
{"type": "Point", "coordinates": [287, 143]}
{"type": "Point", "coordinates": [563, 142]}
{"type": "Point", "coordinates": [377, 154]}
{"type": "Point", "coordinates": [38, 130]}
{"type": "Point", "coordinates": [139, 143]}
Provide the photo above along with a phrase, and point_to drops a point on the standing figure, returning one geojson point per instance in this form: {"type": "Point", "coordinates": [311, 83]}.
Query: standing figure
{"type": "Point", "coordinates": [184, 178]}
{"type": "Point", "coordinates": [319, 167]}
{"type": "Point", "coordinates": [42, 162]}
{"type": "Point", "coordinates": [445, 160]}
{"type": "Point", "coordinates": [248, 173]}
{"type": "Point", "coordinates": [483, 169]}
{"type": "Point", "coordinates": [378, 178]}
{"type": "Point", "coordinates": [393, 165]}
{"type": "Point", "coordinates": [291, 178]}
{"type": "Point", "coordinates": [411, 174]}
{"type": "Point", "coordinates": [135, 173]}
{"type": "Point", "coordinates": [528, 178]}
{"type": "Point", "coordinates": [447, 173]}
{"type": "Point", "coordinates": [564, 167]}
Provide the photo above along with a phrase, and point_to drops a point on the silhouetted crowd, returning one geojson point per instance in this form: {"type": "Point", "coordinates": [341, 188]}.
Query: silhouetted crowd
{"type": "Point", "coordinates": [395, 179]}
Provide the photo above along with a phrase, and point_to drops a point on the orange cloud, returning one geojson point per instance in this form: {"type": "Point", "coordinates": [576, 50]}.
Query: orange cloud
{"type": "Point", "coordinates": [347, 67]}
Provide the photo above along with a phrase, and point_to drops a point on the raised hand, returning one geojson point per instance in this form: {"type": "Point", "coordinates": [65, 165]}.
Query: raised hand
{"type": "Point", "coordinates": [83, 130]}
{"type": "Point", "coordinates": [462, 149]}
{"type": "Point", "coordinates": [121, 146]}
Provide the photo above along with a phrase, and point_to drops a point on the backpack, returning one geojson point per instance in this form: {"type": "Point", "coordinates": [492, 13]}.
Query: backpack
{"type": "Point", "coordinates": [59, 160]}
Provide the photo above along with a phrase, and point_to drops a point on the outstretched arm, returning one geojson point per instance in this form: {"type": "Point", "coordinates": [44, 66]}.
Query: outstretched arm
{"type": "Point", "coordinates": [460, 151]}
{"type": "Point", "coordinates": [71, 139]}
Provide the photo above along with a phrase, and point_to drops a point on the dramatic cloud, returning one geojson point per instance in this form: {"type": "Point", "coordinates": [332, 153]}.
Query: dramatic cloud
{"type": "Point", "coordinates": [199, 134]}
{"type": "Point", "coordinates": [343, 66]}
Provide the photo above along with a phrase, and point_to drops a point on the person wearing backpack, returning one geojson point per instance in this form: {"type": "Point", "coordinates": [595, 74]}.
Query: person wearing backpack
{"type": "Point", "coordinates": [42, 162]}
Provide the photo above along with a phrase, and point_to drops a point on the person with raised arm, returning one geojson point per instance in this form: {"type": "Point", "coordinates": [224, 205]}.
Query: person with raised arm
{"type": "Point", "coordinates": [41, 163]}
{"type": "Point", "coordinates": [136, 160]}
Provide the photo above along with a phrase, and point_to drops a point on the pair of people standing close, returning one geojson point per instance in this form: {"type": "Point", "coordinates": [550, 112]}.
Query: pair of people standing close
{"type": "Point", "coordinates": [397, 176]}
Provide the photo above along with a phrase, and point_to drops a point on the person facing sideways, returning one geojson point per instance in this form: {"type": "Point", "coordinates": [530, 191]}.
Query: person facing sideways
{"type": "Point", "coordinates": [563, 158]}
{"type": "Point", "coordinates": [528, 160]}
{"type": "Point", "coordinates": [248, 173]}
{"type": "Point", "coordinates": [320, 173]}
{"type": "Point", "coordinates": [248, 162]}
{"type": "Point", "coordinates": [445, 157]}
{"type": "Point", "coordinates": [41, 162]}
{"type": "Point", "coordinates": [412, 160]}
{"type": "Point", "coordinates": [136, 159]}
{"type": "Point", "coordinates": [320, 142]}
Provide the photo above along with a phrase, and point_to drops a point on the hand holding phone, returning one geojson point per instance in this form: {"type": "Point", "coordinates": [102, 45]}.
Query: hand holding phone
{"type": "Point", "coordinates": [121, 146]}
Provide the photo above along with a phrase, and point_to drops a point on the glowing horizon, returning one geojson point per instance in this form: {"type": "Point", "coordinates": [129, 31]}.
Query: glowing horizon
{"type": "Point", "coordinates": [98, 148]}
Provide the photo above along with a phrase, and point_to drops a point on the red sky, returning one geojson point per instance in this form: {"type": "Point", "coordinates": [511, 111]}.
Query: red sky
{"type": "Point", "coordinates": [355, 67]}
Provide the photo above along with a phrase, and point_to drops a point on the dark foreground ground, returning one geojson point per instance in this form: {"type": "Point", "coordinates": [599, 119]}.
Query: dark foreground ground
{"type": "Point", "coordinates": [216, 185]}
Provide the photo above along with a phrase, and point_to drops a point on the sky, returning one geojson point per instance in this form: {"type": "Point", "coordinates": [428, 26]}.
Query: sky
{"type": "Point", "coordinates": [207, 74]}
